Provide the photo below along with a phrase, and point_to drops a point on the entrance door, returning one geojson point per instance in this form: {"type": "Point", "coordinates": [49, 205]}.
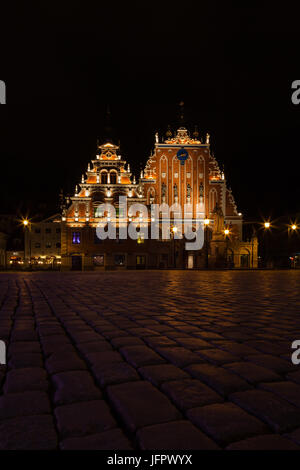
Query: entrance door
{"type": "Point", "coordinates": [190, 261]}
{"type": "Point", "coordinates": [140, 262]}
{"type": "Point", "coordinates": [76, 263]}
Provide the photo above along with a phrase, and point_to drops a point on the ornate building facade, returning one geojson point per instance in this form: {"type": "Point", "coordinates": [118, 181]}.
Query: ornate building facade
{"type": "Point", "coordinates": [181, 173]}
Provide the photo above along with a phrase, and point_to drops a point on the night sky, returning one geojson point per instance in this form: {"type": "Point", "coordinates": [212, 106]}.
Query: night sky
{"type": "Point", "coordinates": [233, 66]}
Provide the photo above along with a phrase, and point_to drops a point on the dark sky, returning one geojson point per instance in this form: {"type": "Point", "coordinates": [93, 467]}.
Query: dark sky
{"type": "Point", "coordinates": [232, 65]}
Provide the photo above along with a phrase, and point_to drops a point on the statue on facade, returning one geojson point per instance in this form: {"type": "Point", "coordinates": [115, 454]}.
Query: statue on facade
{"type": "Point", "coordinates": [188, 190]}
{"type": "Point", "coordinates": [218, 219]}
{"type": "Point", "coordinates": [175, 190]}
{"type": "Point", "coordinates": [201, 190]}
{"type": "Point", "coordinates": [156, 138]}
{"type": "Point", "coordinates": [163, 189]}
{"type": "Point", "coordinates": [207, 138]}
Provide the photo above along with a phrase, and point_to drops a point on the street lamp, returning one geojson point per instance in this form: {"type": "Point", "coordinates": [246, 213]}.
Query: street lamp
{"type": "Point", "coordinates": [206, 224]}
{"type": "Point", "coordinates": [226, 233]}
{"type": "Point", "coordinates": [26, 226]}
{"type": "Point", "coordinates": [174, 231]}
{"type": "Point", "coordinates": [267, 226]}
{"type": "Point", "coordinates": [294, 227]}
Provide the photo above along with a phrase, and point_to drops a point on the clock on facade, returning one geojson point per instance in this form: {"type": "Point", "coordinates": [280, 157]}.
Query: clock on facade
{"type": "Point", "coordinates": [182, 155]}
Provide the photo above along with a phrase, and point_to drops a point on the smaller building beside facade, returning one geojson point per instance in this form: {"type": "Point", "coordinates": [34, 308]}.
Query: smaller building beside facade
{"type": "Point", "coordinates": [43, 243]}
{"type": "Point", "coordinates": [3, 240]}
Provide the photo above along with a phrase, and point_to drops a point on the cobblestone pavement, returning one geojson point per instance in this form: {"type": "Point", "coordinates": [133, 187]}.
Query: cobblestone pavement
{"type": "Point", "coordinates": [150, 360]}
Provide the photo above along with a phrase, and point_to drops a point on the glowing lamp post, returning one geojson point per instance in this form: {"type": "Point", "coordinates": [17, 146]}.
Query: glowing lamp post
{"type": "Point", "coordinates": [206, 224]}
{"type": "Point", "coordinates": [26, 226]}
{"type": "Point", "coordinates": [267, 226]}
{"type": "Point", "coordinates": [174, 231]}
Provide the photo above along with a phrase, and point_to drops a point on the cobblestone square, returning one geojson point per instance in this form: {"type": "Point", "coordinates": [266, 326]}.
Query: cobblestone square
{"type": "Point", "coordinates": [150, 360]}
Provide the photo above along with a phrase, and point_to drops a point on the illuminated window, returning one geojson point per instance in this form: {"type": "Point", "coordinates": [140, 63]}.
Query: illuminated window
{"type": "Point", "coordinates": [98, 260]}
{"type": "Point", "coordinates": [141, 260]}
{"type": "Point", "coordinates": [76, 238]}
{"type": "Point", "coordinates": [103, 178]}
{"type": "Point", "coordinates": [119, 260]}
{"type": "Point", "coordinates": [113, 178]}
{"type": "Point", "coordinates": [98, 212]}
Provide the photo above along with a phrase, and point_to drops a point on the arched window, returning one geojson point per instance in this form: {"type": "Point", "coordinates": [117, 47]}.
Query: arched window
{"type": "Point", "coordinates": [104, 178]}
{"type": "Point", "coordinates": [113, 177]}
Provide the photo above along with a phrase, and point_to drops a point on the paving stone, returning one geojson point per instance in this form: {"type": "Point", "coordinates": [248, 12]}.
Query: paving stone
{"type": "Point", "coordinates": [162, 373]}
{"type": "Point", "coordinates": [79, 419]}
{"type": "Point", "coordinates": [103, 357]}
{"type": "Point", "coordinates": [119, 342]}
{"type": "Point", "coordinates": [177, 435]}
{"type": "Point", "coordinates": [289, 391]}
{"type": "Point", "coordinates": [194, 343]}
{"type": "Point", "coordinates": [22, 404]}
{"type": "Point", "coordinates": [115, 333]}
{"type": "Point", "coordinates": [24, 347]}
{"type": "Point", "coordinates": [94, 346]}
{"type": "Point", "coordinates": [56, 344]}
{"type": "Point", "coordinates": [179, 356]}
{"type": "Point", "coordinates": [280, 415]}
{"type": "Point", "coordinates": [237, 349]}
{"type": "Point", "coordinates": [268, 347]}
{"type": "Point", "coordinates": [24, 335]}
{"type": "Point", "coordinates": [28, 433]}
{"type": "Point", "coordinates": [74, 386]}
{"type": "Point", "coordinates": [269, 442]}
{"type": "Point", "coordinates": [45, 331]}
{"type": "Point", "coordinates": [294, 376]}
{"type": "Point", "coordinates": [108, 440]}
{"type": "Point", "coordinates": [209, 335]}
{"type": "Point", "coordinates": [237, 336]}
{"type": "Point", "coordinates": [218, 378]}
{"type": "Point", "coordinates": [120, 372]}
{"type": "Point", "coordinates": [22, 360]}
{"type": "Point", "coordinates": [141, 356]}
{"type": "Point", "coordinates": [226, 422]}
{"type": "Point", "coordinates": [252, 372]}
{"type": "Point", "coordinates": [216, 356]}
{"type": "Point", "coordinates": [142, 332]}
{"type": "Point", "coordinates": [59, 362]}
{"type": "Point", "coordinates": [141, 404]}
{"type": "Point", "coordinates": [25, 380]}
{"type": "Point", "coordinates": [85, 337]}
{"type": "Point", "coordinates": [190, 393]}
{"type": "Point", "coordinates": [280, 366]}
{"type": "Point", "coordinates": [156, 341]}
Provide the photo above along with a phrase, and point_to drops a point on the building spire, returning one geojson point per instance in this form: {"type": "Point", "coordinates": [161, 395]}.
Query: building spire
{"type": "Point", "coordinates": [181, 114]}
{"type": "Point", "coordinates": [108, 135]}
